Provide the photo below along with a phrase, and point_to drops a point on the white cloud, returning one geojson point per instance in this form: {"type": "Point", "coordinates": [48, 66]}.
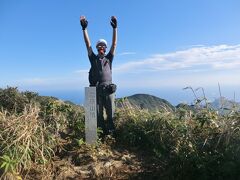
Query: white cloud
{"type": "Point", "coordinates": [126, 53]}
{"type": "Point", "coordinates": [59, 83]}
{"type": "Point", "coordinates": [195, 66]}
{"type": "Point", "coordinates": [82, 71]}
{"type": "Point", "coordinates": [181, 80]}
{"type": "Point", "coordinates": [195, 58]}
{"type": "Point", "coordinates": [36, 81]}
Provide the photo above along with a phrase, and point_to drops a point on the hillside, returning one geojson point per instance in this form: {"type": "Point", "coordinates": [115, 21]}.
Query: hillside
{"type": "Point", "coordinates": [152, 103]}
{"type": "Point", "coordinates": [43, 138]}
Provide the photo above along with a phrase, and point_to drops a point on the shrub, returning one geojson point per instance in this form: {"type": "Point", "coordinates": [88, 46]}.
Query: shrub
{"type": "Point", "coordinates": [12, 101]}
{"type": "Point", "coordinates": [199, 145]}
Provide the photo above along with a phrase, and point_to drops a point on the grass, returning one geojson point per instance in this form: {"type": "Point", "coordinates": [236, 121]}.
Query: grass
{"type": "Point", "coordinates": [186, 144]}
{"type": "Point", "coordinates": [25, 139]}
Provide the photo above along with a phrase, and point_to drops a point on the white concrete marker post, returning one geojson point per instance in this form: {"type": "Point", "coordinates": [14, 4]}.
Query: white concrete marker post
{"type": "Point", "coordinates": [90, 107]}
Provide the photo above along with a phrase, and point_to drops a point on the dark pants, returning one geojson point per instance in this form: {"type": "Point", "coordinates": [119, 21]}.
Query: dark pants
{"type": "Point", "coordinates": [105, 100]}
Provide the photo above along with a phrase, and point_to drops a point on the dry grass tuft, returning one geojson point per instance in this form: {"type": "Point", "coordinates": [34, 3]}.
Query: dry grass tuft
{"type": "Point", "coordinates": [25, 139]}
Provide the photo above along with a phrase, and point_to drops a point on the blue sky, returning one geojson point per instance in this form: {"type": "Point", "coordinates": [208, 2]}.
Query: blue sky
{"type": "Point", "coordinates": [163, 46]}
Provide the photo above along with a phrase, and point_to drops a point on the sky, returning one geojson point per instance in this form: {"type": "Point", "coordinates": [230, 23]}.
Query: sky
{"type": "Point", "coordinates": [163, 46]}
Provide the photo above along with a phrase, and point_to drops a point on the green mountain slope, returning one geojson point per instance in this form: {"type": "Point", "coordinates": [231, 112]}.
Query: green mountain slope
{"type": "Point", "coordinates": [145, 101]}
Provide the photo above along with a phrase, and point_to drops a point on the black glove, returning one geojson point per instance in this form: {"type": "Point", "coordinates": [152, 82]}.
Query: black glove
{"type": "Point", "coordinates": [84, 23]}
{"type": "Point", "coordinates": [113, 22]}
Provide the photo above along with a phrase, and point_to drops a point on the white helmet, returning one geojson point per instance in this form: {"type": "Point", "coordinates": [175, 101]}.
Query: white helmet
{"type": "Point", "coordinates": [101, 41]}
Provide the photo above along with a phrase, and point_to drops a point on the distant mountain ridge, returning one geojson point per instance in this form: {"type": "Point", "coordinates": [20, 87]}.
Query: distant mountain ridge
{"type": "Point", "coordinates": [154, 103]}
{"type": "Point", "coordinates": [224, 103]}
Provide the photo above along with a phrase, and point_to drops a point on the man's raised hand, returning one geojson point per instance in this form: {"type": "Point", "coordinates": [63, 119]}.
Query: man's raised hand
{"type": "Point", "coordinates": [83, 22]}
{"type": "Point", "coordinates": [113, 22]}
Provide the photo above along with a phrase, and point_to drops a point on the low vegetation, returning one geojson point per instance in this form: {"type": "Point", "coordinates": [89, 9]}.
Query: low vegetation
{"type": "Point", "coordinates": [40, 137]}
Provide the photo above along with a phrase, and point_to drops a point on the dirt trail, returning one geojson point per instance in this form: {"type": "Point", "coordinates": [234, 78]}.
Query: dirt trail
{"type": "Point", "coordinates": [108, 161]}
